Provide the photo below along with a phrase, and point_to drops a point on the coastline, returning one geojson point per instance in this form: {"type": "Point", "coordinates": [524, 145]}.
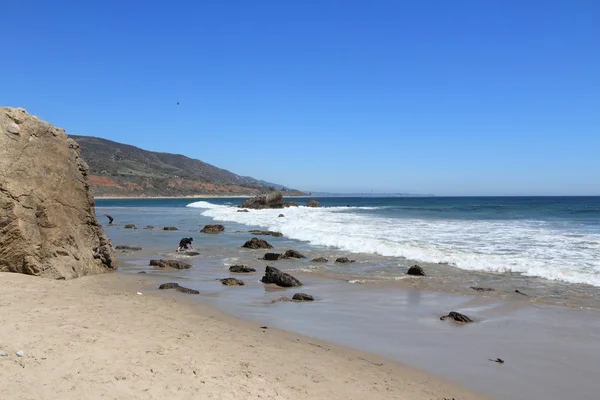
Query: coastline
{"type": "Point", "coordinates": [119, 344]}
{"type": "Point", "coordinates": [199, 196]}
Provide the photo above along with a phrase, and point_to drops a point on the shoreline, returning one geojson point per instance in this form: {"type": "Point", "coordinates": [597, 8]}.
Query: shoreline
{"type": "Point", "coordinates": [163, 344]}
{"type": "Point", "coordinates": [202, 196]}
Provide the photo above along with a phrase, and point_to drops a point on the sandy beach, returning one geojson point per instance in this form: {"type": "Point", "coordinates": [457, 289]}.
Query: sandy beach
{"type": "Point", "coordinates": [95, 337]}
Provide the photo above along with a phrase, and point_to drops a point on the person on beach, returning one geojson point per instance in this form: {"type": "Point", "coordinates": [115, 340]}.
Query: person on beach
{"type": "Point", "coordinates": [185, 244]}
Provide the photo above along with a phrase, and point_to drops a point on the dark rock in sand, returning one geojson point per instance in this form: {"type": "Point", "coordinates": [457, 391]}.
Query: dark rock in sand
{"type": "Point", "coordinates": [213, 229]}
{"type": "Point", "coordinates": [174, 264]}
{"type": "Point", "coordinates": [270, 200]}
{"type": "Point", "coordinates": [320, 260]}
{"type": "Point", "coordinates": [256, 243]}
{"type": "Point", "coordinates": [149, 227]}
{"type": "Point", "coordinates": [133, 248]}
{"type": "Point", "coordinates": [313, 203]}
{"type": "Point", "coordinates": [303, 297]}
{"type": "Point", "coordinates": [292, 254]}
{"type": "Point", "coordinates": [169, 228]}
{"type": "Point", "coordinates": [186, 290]}
{"type": "Point", "coordinates": [273, 275]}
{"type": "Point", "coordinates": [457, 317]}
{"type": "Point", "coordinates": [344, 260]}
{"type": "Point", "coordinates": [241, 269]}
{"type": "Point", "coordinates": [232, 282]}
{"type": "Point", "coordinates": [482, 289]}
{"type": "Point", "coordinates": [256, 232]}
{"type": "Point", "coordinates": [130, 226]}
{"type": "Point", "coordinates": [416, 271]}
{"type": "Point", "coordinates": [170, 285]}
{"type": "Point", "coordinates": [243, 210]}
{"type": "Point", "coordinates": [281, 216]}
{"type": "Point", "coordinates": [271, 256]}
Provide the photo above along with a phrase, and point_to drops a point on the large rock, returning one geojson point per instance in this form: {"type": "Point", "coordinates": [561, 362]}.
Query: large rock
{"type": "Point", "coordinates": [48, 225]}
{"type": "Point", "coordinates": [415, 270]}
{"type": "Point", "coordinates": [256, 243]}
{"type": "Point", "coordinates": [170, 264]}
{"type": "Point", "coordinates": [273, 275]}
{"type": "Point", "coordinates": [292, 254]}
{"type": "Point", "coordinates": [213, 229]}
{"type": "Point", "coordinates": [270, 200]}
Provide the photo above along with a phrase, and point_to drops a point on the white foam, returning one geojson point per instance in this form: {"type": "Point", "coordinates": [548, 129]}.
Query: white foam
{"type": "Point", "coordinates": [532, 248]}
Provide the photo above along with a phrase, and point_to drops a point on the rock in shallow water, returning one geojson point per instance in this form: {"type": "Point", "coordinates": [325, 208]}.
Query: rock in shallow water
{"type": "Point", "coordinates": [174, 264]}
{"type": "Point", "coordinates": [232, 282]}
{"type": "Point", "coordinates": [130, 226]}
{"type": "Point", "coordinates": [170, 285]}
{"type": "Point", "coordinates": [320, 260]}
{"type": "Point", "coordinates": [256, 243]}
{"type": "Point", "coordinates": [457, 317]}
{"type": "Point", "coordinates": [292, 254]}
{"type": "Point", "coordinates": [303, 297]}
{"type": "Point", "coordinates": [273, 275]}
{"type": "Point", "coordinates": [213, 229]}
{"type": "Point", "coordinates": [415, 270]}
{"type": "Point", "coordinates": [271, 256]}
{"type": "Point", "coordinates": [241, 269]}
{"type": "Point", "coordinates": [344, 260]}
{"type": "Point", "coordinates": [133, 248]}
{"type": "Point", "coordinates": [272, 233]}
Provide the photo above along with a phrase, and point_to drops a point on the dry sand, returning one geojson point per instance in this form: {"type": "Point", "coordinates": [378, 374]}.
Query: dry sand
{"type": "Point", "coordinates": [95, 338]}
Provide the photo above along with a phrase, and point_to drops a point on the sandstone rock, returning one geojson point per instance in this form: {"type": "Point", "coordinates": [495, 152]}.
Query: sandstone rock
{"type": "Point", "coordinates": [303, 297]}
{"type": "Point", "coordinates": [270, 200]}
{"type": "Point", "coordinates": [241, 269]}
{"type": "Point", "coordinates": [3, 353]}
{"type": "Point", "coordinates": [457, 317]}
{"type": "Point", "coordinates": [313, 203]}
{"type": "Point", "coordinates": [292, 254]}
{"type": "Point", "coordinates": [272, 256]}
{"type": "Point", "coordinates": [133, 248]}
{"type": "Point", "coordinates": [170, 285]}
{"type": "Point", "coordinates": [281, 216]}
{"type": "Point", "coordinates": [232, 282]}
{"type": "Point", "coordinates": [48, 225]}
{"type": "Point", "coordinates": [256, 232]}
{"type": "Point", "coordinates": [172, 264]}
{"type": "Point", "coordinates": [320, 260]}
{"type": "Point", "coordinates": [344, 260]}
{"type": "Point", "coordinates": [415, 270]}
{"type": "Point", "coordinates": [130, 226]}
{"type": "Point", "coordinates": [256, 243]}
{"type": "Point", "coordinates": [213, 229]}
{"type": "Point", "coordinates": [170, 228]}
{"type": "Point", "coordinates": [273, 275]}
{"type": "Point", "coordinates": [243, 210]}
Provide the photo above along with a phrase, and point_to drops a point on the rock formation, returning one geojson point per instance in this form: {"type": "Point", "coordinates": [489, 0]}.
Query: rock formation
{"type": "Point", "coordinates": [292, 254]}
{"type": "Point", "coordinates": [273, 275]}
{"type": "Point", "coordinates": [416, 271]}
{"type": "Point", "coordinates": [255, 243]}
{"type": "Point", "coordinates": [213, 229]}
{"type": "Point", "coordinates": [320, 260]}
{"type": "Point", "coordinates": [170, 264]}
{"type": "Point", "coordinates": [241, 269]}
{"type": "Point", "coordinates": [270, 200]}
{"type": "Point", "coordinates": [48, 225]}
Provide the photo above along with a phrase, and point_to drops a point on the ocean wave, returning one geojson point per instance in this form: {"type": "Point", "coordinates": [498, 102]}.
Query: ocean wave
{"type": "Point", "coordinates": [532, 248]}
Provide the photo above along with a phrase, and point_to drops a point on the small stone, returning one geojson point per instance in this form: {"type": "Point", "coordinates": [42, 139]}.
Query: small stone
{"type": "Point", "coordinates": [13, 128]}
{"type": "Point", "coordinates": [20, 353]}
{"type": "Point", "coordinates": [3, 353]}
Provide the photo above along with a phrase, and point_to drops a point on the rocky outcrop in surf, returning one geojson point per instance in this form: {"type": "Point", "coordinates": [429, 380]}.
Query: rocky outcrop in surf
{"type": "Point", "coordinates": [273, 275]}
{"type": "Point", "coordinates": [213, 229]}
{"type": "Point", "coordinates": [256, 243]}
{"type": "Point", "coordinates": [170, 264]}
{"type": "Point", "coordinates": [313, 203]}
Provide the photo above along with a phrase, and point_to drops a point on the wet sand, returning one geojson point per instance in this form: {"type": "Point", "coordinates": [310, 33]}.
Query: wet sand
{"type": "Point", "coordinates": [94, 338]}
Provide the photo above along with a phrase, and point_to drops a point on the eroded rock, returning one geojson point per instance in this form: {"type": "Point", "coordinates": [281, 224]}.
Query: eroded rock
{"type": "Point", "coordinates": [270, 200]}
{"type": "Point", "coordinates": [303, 297]}
{"type": "Point", "coordinates": [273, 275]}
{"type": "Point", "coordinates": [292, 254]}
{"type": "Point", "coordinates": [256, 243]}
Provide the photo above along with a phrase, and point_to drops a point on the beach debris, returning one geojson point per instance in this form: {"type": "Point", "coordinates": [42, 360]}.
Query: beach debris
{"type": "Point", "coordinates": [497, 360]}
{"type": "Point", "coordinates": [130, 226]}
{"type": "Point", "coordinates": [213, 229]}
{"type": "Point", "coordinates": [139, 293]}
{"type": "Point", "coordinates": [273, 275]}
{"type": "Point", "coordinates": [256, 243]}
{"type": "Point", "coordinates": [149, 227]}
{"type": "Point", "coordinates": [271, 256]}
{"type": "Point", "coordinates": [457, 317]}
{"type": "Point", "coordinates": [344, 260]}
{"type": "Point", "coordinates": [170, 228]}
{"type": "Point", "coordinates": [281, 300]}
{"type": "Point", "coordinates": [313, 203]}
{"type": "Point", "coordinates": [110, 219]}
{"type": "Point", "coordinates": [303, 297]}
{"type": "Point", "coordinates": [3, 353]}
{"type": "Point", "coordinates": [264, 327]}
{"type": "Point", "coordinates": [272, 233]}
{"type": "Point", "coordinates": [173, 264]}
{"type": "Point", "coordinates": [170, 285]}
{"type": "Point", "coordinates": [482, 289]}
{"type": "Point", "coordinates": [241, 269]}
{"type": "Point", "coordinates": [191, 253]}
{"type": "Point", "coordinates": [521, 293]}
{"type": "Point", "coordinates": [292, 254]}
{"type": "Point", "coordinates": [269, 200]}
{"type": "Point", "coordinates": [123, 247]}
{"type": "Point", "coordinates": [186, 290]}
{"type": "Point", "coordinates": [280, 216]}
{"type": "Point", "coordinates": [415, 270]}
{"type": "Point", "coordinates": [20, 353]}
{"type": "Point", "coordinates": [320, 260]}
{"type": "Point", "coordinates": [231, 282]}
{"type": "Point", "coordinates": [242, 210]}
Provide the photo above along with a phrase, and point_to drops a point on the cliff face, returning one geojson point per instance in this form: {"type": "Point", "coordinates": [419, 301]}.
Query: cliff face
{"type": "Point", "coordinates": [118, 169]}
{"type": "Point", "coordinates": [48, 225]}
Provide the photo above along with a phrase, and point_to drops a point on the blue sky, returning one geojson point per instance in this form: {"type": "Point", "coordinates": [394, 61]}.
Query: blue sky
{"type": "Point", "coordinates": [444, 97]}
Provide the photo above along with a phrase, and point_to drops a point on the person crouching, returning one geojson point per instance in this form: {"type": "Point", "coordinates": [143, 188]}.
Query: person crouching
{"type": "Point", "coordinates": [185, 244]}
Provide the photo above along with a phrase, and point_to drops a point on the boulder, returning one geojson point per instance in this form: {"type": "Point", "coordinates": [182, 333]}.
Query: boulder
{"type": "Point", "coordinates": [149, 227]}
{"type": "Point", "coordinates": [270, 200]}
{"type": "Point", "coordinates": [130, 226]}
{"type": "Point", "coordinates": [232, 282]}
{"type": "Point", "coordinates": [273, 275]}
{"type": "Point", "coordinates": [213, 229]}
{"type": "Point", "coordinates": [457, 317]}
{"type": "Point", "coordinates": [320, 260]}
{"type": "Point", "coordinates": [133, 248]}
{"type": "Point", "coordinates": [170, 228]}
{"type": "Point", "coordinates": [344, 260]}
{"type": "Point", "coordinates": [48, 224]}
{"type": "Point", "coordinates": [256, 232]}
{"type": "Point", "coordinates": [281, 216]}
{"type": "Point", "coordinates": [241, 269]}
{"type": "Point", "coordinates": [170, 264]}
{"type": "Point", "coordinates": [303, 297]}
{"type": "Point", "coordinates": [313, 203]}
{"type": "Point", "coordinates": [271, 256]}
{"type": "Point", "coordinates": [171, 285]}
{"type": "Point", "coordinates": [186, 290]}
{"type": "Point", "coordinates": [292, 254]}
{"type": "Point", "coordinates": [242, 210]}
{"type": "Point", "coordinates": [256, 243]}
{"type": "Point", "coordinates": [416, 271]}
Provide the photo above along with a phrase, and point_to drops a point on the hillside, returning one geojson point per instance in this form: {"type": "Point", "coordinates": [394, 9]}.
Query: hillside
{"type": "Point", "coordinates": [118, 169]}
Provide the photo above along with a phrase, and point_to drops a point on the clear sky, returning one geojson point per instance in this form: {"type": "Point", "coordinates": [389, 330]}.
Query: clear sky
{"type": "Point", "coordinates": [445, 97]}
